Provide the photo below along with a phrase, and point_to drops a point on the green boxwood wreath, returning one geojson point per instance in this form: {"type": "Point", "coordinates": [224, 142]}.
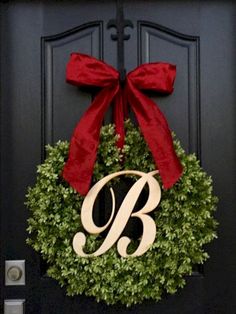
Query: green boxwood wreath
{"type": "Point", "coordinates": [184, 220]}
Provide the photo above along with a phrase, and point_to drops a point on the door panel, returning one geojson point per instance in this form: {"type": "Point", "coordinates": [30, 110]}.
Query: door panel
{"type": "Point", "coordinates": [63, 103]}
{"type": "Point", "coordinates": [182, 109]}
{"type": "Point", "coordinates": [38, 107]}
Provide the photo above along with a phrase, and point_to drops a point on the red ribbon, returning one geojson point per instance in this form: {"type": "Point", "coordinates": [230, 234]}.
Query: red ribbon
{"type": "Point", "coordinates": [84, 70]}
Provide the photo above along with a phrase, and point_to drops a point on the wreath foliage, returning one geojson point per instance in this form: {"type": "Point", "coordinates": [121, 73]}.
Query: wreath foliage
{"type": "Point", "coordinates": [184, 220]}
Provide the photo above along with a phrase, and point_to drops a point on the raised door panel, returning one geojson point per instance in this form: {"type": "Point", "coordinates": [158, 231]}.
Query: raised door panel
{"type": "Point", "coordinates": [62, 103]}
{"type": "Point", "coordinates": [160, 44]}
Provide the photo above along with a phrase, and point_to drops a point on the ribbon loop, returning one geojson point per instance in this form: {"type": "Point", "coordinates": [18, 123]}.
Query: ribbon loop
{"type": "Point", "coordinates": [83, 70]}
{"type": "Point", "coordinates": [158, 77]}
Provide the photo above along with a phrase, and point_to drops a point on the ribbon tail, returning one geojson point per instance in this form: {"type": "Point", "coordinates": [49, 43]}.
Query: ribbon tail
{"type": "Point", "coordinates": [119, 115]}
{"type": "Point", "coordinates": [78, 169]}
{"type": "Point", "coordinates": [157, 134]}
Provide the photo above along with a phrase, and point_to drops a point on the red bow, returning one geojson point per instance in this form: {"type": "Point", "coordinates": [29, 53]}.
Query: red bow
{"type": "Point", "coordinates": [84, 70]}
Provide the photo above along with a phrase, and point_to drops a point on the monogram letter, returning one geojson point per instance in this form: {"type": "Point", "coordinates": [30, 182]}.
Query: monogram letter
{"type": "Point", "coordinates": [123, 215]}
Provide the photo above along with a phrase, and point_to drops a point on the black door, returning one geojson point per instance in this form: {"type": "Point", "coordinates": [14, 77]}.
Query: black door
{"type": "Point", "coordinates": [37, 107]}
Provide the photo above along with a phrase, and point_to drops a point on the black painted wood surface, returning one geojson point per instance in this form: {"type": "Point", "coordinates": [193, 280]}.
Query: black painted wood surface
{"type": "Point", "coordinates": [38, 107]}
